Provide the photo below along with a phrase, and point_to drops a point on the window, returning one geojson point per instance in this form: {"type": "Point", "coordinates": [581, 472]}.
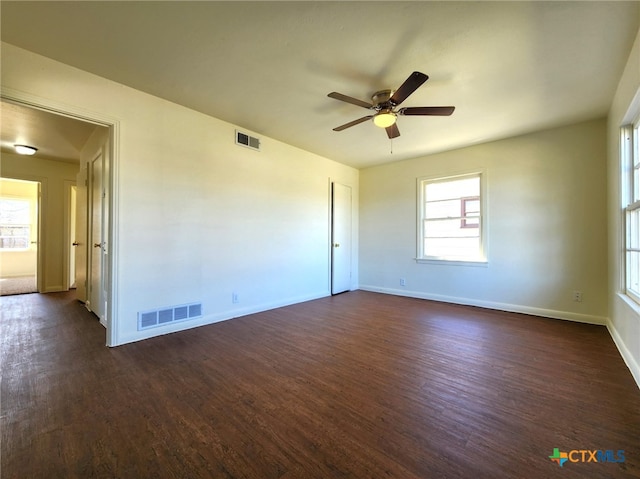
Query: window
{"type": "Point", "coordinates": [631, 204]}
{"type": "Point", "coordinates": [450, 218]}
{"type": "Point", "coordinates": [15, 224]}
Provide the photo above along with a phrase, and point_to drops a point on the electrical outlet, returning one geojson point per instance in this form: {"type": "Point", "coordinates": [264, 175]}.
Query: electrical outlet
{"type": "Point", "coordinates": [577, 296]}
{"type": "Point", "coordinates": [403, 282]}
{"type": "Point", "coordinates": [235, 298]}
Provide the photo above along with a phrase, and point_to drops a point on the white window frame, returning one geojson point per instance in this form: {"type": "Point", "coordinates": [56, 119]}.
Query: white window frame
{"type": "Point", "coordinates": [481, 259]}
{"type": "Point", "coordinates": [630, 167]}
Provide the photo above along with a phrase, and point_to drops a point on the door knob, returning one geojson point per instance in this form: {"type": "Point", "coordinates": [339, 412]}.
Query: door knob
{"type": "Point", "coordinates": [336, 245]}
{"type": "Point", "coordinates": [75, 243]}
{"type": "Point", "coordinates": [97, 245]}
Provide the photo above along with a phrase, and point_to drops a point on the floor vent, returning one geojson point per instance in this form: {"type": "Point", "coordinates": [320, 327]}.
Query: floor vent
{"type": "Point", "coordinates": [160, 317]}
{"type": "Point", "coordinates": [243, 139]}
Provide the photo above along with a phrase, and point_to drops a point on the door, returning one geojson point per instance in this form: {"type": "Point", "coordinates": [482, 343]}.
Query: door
{"type": "Point", "coordinates": [96, 243]}
{"type": "Point", "coordinates": [72, 236]}
{"type": "Point", "coordinates": [80, 238]}
{"type": "Point", "coordinates": [340, 238]}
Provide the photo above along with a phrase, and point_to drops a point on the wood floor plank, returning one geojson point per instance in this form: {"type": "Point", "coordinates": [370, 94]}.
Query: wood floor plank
{"type": "Point", "coordinates": [358, 385]}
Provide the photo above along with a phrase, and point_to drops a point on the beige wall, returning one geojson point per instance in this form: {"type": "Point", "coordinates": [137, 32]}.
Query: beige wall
{"type": "Point", "coordinates": [624, 314]}
{"type": "Point", "coordinates": [55, 178]}
{"type": "Point", "coordinates": [24, 262]}
{"type": "Point", "coordinates": [546, 214]}
{"type": "Point", "coordinates": [197, 217]}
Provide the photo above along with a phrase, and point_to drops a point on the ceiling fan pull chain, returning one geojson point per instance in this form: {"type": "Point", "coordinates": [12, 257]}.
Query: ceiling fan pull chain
{"type": "Point", "coordinates": [391, 141]}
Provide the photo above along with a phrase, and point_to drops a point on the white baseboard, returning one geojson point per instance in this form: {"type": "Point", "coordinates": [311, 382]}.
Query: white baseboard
{"type": "Point", "coordinates": [628, 358]}
{"type": "Point", "coordinates": [212, 318]}
{"type": "Point", "coordinates": [259, 308]}
{"type": "Point", "coordinates": [56, 288]}
{"type": "Point", "coordinates": [513, 308]}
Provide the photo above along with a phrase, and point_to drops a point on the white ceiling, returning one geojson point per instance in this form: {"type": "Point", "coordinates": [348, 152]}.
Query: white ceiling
{"type": "Point", "coordinates": [56, 137]}
{"type": "Point", "coordinates": [507, 67]}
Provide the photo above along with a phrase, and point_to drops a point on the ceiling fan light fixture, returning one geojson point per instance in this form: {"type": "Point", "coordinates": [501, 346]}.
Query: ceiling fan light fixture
{"type": "Point", "coordinates": [25, 149]}
{"type": "Point", "coordinates": [385, 119]}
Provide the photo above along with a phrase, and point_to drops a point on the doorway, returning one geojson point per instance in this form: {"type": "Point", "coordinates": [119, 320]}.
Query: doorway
{"type": "Point", "coordinates": [19, 236]}
{"type": "Point", "coordinates": [69, 136]}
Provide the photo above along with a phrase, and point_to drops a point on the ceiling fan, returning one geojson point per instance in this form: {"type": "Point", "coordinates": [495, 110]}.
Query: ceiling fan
{"type": "Point", "coordinates": [384, 102]}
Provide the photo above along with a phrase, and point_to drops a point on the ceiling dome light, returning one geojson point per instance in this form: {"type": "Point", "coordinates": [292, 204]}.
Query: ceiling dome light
{"type": "Point", "coordinates": [385, 119]}
{"type": "Point", "coordinates": [25, 149]}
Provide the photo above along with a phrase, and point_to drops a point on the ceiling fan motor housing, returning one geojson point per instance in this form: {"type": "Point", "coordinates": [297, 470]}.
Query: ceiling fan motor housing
{"type": "Point", "coordinates": [380, 100]}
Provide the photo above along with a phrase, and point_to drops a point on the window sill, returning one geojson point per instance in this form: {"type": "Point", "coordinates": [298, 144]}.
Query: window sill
{"type": "Point", "coordinates": [635, 307]}
{"type": "Point", "coordinates": [479, 263]}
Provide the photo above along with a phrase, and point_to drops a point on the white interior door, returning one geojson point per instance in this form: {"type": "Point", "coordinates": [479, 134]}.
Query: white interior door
{"type": "Point", "coordinates": [340, 238]}
{"type": "Point", "coordinates": [96, 243]}
{"type": "Point", "coordinates": [72, 236]}
{"type": "Point", "coordinates": [80, 238]}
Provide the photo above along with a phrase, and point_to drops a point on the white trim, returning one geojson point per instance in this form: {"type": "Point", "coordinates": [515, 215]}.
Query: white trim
{"type": "Point", "coordinates": [512, 308]}
{"type": "Point", "coordinates": [78, 113]}
{"type": "Point", "coordinates": [483, 263]}
{"type": "Point", "coordinates": [627, 357]}
{"type": "Point", "coordinates": [635, 307]}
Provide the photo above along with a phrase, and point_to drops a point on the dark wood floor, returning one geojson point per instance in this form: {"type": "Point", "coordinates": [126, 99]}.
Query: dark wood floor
{"type": "Point", "coordinates": [359, 385]}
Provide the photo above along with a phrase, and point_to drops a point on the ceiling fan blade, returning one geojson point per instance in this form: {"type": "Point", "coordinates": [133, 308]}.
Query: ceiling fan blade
{"type": "Point", "coordinates": [410, 85]}
{"type": "Point", "coordinates": [353, 123]}
{"type": "Point", "coordinates": [392, 131]}
{"type": "Point", "coordinates": [348, 99]}
{"type": "Point", "coordinates": [427, 110]}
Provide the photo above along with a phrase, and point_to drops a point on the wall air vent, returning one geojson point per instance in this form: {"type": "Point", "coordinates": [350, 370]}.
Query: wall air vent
{"type": "Point", "coordinates": [171, 314]}
{"type": "Point", "coordinates": [243, 139]}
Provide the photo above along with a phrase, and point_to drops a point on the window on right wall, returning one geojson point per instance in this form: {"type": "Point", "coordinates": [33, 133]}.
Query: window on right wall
{"type": "Point", "coordinates": [631, 204]}
{"type": "Point", "coordinates": [451, 219]}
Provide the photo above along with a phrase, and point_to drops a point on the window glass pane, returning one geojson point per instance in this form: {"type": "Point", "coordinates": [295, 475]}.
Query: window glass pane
{"type": "Point", "coordinates": [470, 223]}
{"type": "Point", "coordinates": [633, 272]}
{"type": "Point", "coordinates": [472, 206]}
{"type": "Point", "coordinates": [635, 153]}
{"type": "Point", "coordinates": [470, 212]}
{"type": "Point", "coordinates": [443, 190]}
{"type": "Point", "coordinates": [15, 222]}
{"type": "Point", "coordinates": [443, 209]}
{"type": "Point", "coordinates": [633, 229]}
{"type": "Point", "coordinates": [636, 183]}
{"type": "Point", "coordinates": [451, 247]}
{"type": "Point", "coordinates": [448, 229]}
{"type": "Point", "coordinates": [14, 237]}
{"type": "Point", "coordinates": [14, 212]}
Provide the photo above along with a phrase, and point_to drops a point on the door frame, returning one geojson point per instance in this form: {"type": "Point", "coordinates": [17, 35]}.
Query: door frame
{"type": "Point", "coordinates": [111, 170]}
